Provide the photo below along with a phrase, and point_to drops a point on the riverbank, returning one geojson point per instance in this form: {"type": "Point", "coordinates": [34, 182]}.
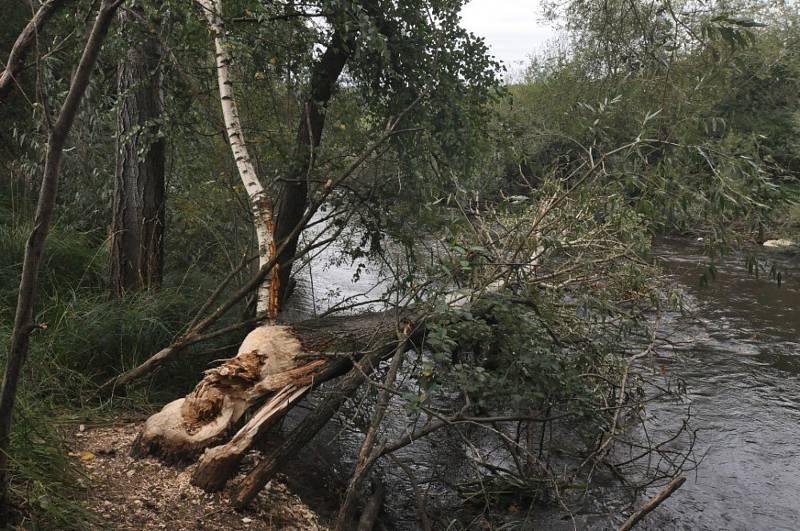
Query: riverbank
{"type": "Point", "coordinates": [124, 493]}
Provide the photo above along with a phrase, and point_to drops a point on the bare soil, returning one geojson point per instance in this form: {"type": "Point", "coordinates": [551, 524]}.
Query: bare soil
{"type": "Point", "coordinates": [144, 494]}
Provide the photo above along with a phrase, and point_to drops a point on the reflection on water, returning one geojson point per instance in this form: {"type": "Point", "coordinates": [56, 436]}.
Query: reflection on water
{"type": "Point", "coordinates": [739, 355]}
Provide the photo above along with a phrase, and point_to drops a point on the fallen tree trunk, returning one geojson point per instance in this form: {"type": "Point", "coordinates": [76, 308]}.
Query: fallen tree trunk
{"type": "Point", "coordinates": [279, 359]}
{"type": "Point", "coordinates": [195, 331]}
{"type": "Point", "coordinates": [367, 447]}
{"type": "Point", "coordinates": [308, 428]}
{"type": "Point", "coordinates": [220, 463]}
{"type": "Point", "coordinates": [369, 516]}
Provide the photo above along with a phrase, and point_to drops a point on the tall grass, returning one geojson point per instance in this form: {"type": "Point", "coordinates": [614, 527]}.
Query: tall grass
{"type": "Point", "coordinates": [90, 337]}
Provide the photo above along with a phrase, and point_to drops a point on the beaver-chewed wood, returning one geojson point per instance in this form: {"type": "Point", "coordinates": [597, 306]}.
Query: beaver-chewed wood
{"type": "Point", "coordinates": [218, 464]}
{"type": "Point", "coordinates": [272, 359]}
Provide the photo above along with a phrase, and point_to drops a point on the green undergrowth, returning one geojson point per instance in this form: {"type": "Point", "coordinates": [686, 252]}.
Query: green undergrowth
{"type": "Point", "coordinates": [788, 225]}
{"type": "Point", "coordinates": [89, 337]}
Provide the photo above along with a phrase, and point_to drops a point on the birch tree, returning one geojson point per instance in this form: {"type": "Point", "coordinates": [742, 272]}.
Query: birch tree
{"type": "Point", "coordinates": [267, 293]}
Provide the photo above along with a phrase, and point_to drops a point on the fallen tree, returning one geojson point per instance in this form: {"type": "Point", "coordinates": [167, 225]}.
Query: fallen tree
{"type": "Point", "coordinates": [257, 478]}
{"type": "Point", "coordinates": [275, 360]}
{"type": "Point", "coordinates": [196, 331]}
{"type": "Point", "coordinates": [510, 357]}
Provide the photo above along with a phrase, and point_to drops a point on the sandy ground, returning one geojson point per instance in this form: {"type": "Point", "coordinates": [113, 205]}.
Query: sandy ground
{"type": "Point", "coordinates": [143, 494]}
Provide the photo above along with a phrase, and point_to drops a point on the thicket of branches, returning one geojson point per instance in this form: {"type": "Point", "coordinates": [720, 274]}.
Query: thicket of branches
{"type": "Point", "coordinates": [514, 220]}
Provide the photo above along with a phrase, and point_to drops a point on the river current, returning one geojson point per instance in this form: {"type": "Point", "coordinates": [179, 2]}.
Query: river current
{"type": "Point", "coordinates": [739, 356]}
{"type": "Point", "coordinates": [741, 365]}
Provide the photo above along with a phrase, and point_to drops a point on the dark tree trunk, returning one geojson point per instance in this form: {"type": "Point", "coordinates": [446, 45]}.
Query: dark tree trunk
{"type": "Point", "coordinates": [137, 236]}
{"type": "Point", "coordinates": [369, 517]}
{"type": "Point", "coordinates": [23, 320]}
{"type": "Point", "coordinates": [24, 43]}
{"type": "Point", "coordinates": [294, 197]}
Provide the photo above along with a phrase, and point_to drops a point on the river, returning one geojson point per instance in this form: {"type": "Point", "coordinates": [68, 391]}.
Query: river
{"type": "Point", "coordinates": [739, 356]}
{"type": "Point", "coordinates": [742, 373]}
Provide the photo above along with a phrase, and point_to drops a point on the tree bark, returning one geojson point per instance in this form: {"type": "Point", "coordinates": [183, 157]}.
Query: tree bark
{"type": "Point", "coordinates": [294, 197]}
{"type": "Point", "coordinates": [369, 516]}
{"type": "Point", "coordinates": [34, 248]}
{"type": "Point", "coordinates": [366, 454]}
{"type": "Point", "coordinates": [137, 233]}
{"type": "Point", "coordinates": [196, 329]}
{"type": "Point", "coordinates": [267, 295]}
{"type": "Point", "coordinates": [22, 46]}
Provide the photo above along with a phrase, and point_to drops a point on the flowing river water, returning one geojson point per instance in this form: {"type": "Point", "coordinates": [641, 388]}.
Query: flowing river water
{"type": "Point", "coordinates": [741, 366]}
{"type": "Point", "coordinates": [739, 356]}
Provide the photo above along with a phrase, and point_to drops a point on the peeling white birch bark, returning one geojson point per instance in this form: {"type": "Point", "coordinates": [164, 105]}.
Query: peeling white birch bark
{"type": "Point", "coordinates": [267, 303]}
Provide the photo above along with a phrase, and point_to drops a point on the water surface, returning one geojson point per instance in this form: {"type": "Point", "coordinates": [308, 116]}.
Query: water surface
{"type": "Point", "coordinates": [739, 356]}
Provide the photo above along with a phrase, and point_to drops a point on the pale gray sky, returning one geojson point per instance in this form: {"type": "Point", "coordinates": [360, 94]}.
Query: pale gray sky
{"type": "Point", "coordinates": [513, 28]}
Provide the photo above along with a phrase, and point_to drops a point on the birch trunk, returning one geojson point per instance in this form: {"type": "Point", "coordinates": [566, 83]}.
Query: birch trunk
{"type": "Point", "coordinates": [267, 294]}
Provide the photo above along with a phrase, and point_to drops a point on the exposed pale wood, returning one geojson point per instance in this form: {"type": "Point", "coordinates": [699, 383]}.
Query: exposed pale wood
{"type": "Point", "coordinates": [187, 426]}
{"type": "Point", "coordinates": [307, 429]}
{"type": "Point", "coordinates": [193, 334]}
{"type": "Point", "coordinates": [270, 360]}
{"type": "Point", "coordinates": [220, 463]}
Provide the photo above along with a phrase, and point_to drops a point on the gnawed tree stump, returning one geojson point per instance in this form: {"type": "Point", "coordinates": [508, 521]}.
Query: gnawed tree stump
{"type": "Point", "coordinates": [252, 484]}
{"type": "Point", "coordinates": [220, 463]}
{"type": "Point", "coordinates": [272, 359]}
{"type": "Point", "coordinates": [188, 425]}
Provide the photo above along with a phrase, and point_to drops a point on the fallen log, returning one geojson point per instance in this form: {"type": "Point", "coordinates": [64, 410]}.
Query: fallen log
{"type": "Point", "coordinates": [220, 463]}
{"type": "Point", "coordinates": [195, 331]}
{"type": "Point", "coordinates": [367, 450]}
{"type": "Point", "coordinates": [271, 359]}
{"type": "Point", "coordinates": [369, 516]}
{"type": "Point", "coordinates": [308, 427]}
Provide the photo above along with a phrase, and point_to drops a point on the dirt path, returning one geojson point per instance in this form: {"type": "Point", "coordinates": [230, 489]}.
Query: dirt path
{"type": "Point", "coordinates": [143, 494]}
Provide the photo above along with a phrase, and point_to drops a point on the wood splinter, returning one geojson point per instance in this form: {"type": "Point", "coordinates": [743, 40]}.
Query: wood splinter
{"type": "Point", "coordinates": [273, 361]}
